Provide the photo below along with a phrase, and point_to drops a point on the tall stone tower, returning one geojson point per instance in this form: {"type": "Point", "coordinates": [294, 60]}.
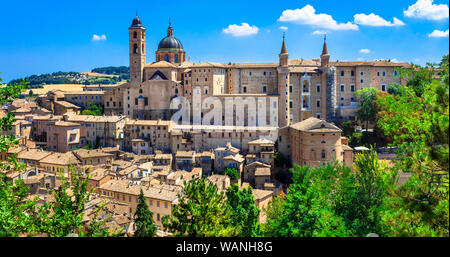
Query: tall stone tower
{"type": "Point", "coordinates": [137, 51]}
{"type": "Point", "coordinates": [325, 57]}
{"type": "Point", "coordinates": [283, 87]}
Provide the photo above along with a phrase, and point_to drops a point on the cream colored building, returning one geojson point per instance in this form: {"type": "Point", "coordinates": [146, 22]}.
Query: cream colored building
{"type": "Point", "coordinates": [318, 88]}
{"type": "Point", "coordinates": [160, 199]}
{"type": "Point", "coordinates": [313, 142]}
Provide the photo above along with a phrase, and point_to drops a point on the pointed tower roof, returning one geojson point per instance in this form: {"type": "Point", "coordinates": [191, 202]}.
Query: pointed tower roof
{"type": "Point", "coordinates": [283, 47]}
{"type": "Point", "coordinates": [325, 48]}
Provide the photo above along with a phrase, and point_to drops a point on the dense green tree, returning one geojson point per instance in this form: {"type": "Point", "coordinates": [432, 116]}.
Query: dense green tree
{"type": "Point", "coordinates": [279, 160]}
{"type": "Point", "coordinates": [93, 109]}
{"type": "Point", "coordinates": [348, 128]}
{"type": "Point", "coordinates": [366, 101]}
{"type": "Point", "coordinates": [394, 88]}
{"type": "Point", "coordinates": [331, 200]}
{"type": "Point", "coordinates": [417, 120]}
{"type": "Point", "coordinates": [274, 211]}
{"type": "Point", "coordinates": [307, 208]}
{"type": "Point", "coordinates": [143, 218]}
{"type": "Point", "coordinates": [65, 215]}
{"type": "Point", "coordinates": [244, 213]}
{"type": "Point", "coordinates": [14, 208]}
{"type": "Point", "coordinates": [201, 212]}
{"type": "Point", "coordinates": [14, 219]}
{"type": "Point", "coordinates": [232, 173]}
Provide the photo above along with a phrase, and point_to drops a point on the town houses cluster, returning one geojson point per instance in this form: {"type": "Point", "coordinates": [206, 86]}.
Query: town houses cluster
{"type": "Point", "coordinates": [135, 145]}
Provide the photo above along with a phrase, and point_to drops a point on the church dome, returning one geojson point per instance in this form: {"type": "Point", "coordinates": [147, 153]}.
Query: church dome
{"type": "Point", "coordinates": [136, 22]}
{"type": "Point", "coordinates": [170, 42]}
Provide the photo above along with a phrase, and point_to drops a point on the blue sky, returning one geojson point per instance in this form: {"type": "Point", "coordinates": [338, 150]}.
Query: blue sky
{"type": "Point", "coordinates": [46, 36]}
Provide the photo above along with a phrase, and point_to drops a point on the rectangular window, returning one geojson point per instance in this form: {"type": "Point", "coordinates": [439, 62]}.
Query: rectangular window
{"type": "Point", "coordinates": [353, 73]}
{"type": "Point", "coordinates": [342, 73]}
{"type": "Point", "coordinates": [318, 103]}
{"type": "Point", "coordinates": [318, 88]}
{"type": "Point", "coordinates": [342, 87]}
{"type": "Point", "coordinates": [352, 88]}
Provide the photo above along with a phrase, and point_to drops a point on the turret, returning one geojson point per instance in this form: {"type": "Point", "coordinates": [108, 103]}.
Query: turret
{"type": "Point", "coordinates": [283, 56]}
{"type": "Point", "coordinates": [325, 57]}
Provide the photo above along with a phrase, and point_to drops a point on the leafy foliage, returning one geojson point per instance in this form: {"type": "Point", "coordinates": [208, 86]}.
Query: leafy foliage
{"type": "Point", "coordinates": [93, 109]}
{"type": "Point", "coordinates": [201, 212]}
{"type": "Point", "coordinates": [332, 200]}
{"type": "Point", "coordinates": [367, 109]}
{"type": "Point", "coordinates": [232, 173]}
{"type": "Point", "coordinates": [244, 213]}
{"type": "Point", "coordinates": [417, 120]}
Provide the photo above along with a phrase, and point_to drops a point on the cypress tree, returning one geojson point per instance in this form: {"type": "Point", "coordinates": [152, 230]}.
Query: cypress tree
{"type": "Point", "coordinates": [143, 219]}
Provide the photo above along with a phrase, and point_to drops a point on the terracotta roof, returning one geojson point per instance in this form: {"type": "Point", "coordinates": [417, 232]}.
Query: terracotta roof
{"type": "Point", "coordinates": [33, 154]}
{"type": "Point", "coordinates": [208, 64]}
{"type": "Point", "coordinates": [160, 64]}
{"type": "Point", "coordinates": [371, 63]}
{"type": "Point", "coordinates": [67, 104]}
{"type": "Point", "coordinates": [315, 125]}
{"type": "Point", "coordinates": [84, 93]}
{"type": "Point", "coordinates": [185, 154]}
{"type": "Point", "coordinates": [260, 141]}
{"type": "Point", "coordinates": [163, 192]}
{"type": "Point", "coordinates": [83, 153]}
{"type": "Point", "coordinates": [66, 124]}
{"type": "Point", "coordinates": [236, 158]}
{"type": "Point", "coordinates": [61, 159]}
{"type": "Point", "coordinates": [261, 194]}
{"type": "Point", "coordinates": [94, 119]}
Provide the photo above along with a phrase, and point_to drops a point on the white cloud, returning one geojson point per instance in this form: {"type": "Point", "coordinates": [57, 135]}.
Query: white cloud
{"type": "Point", "coordinates": [307, 16]}
{"type": "Point", "coordinates": [395, 60]}
{"type": "Point", "coordinates": [240, 30]}
{"type": "Point", "coordinates": [98, 38]}
{"type": "Point", "coordinates": [438, 33]}
{"type": "Point", "coordinates": [375, 20]}
{"type": "Point", "coordinates": [364, 51]}
{"type": "Point", "coordinates": [319, 32]}
{"type": "Point", "coordinates": [425, 9]}
{"type": "Point", "coordinates": [284, 28]}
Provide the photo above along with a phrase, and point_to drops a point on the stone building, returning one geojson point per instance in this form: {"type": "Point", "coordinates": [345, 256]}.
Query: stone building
{"type": "Point", "coordinates": [104, 131]}
{"type": "Point", "coordinates": [318, 88]}
{"type": "Point", "coordinates": [313, 142]}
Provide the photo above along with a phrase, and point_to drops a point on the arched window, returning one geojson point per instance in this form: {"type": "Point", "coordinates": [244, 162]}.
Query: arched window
{"type": "Point", "coordinates": [166, 58]}
{"type": "Point", "coordinates": [135, 34]}
{"type": "Point", "coordinates": [305, 87]}
{"type": "Point", "coordinates": [323, 154]}
{"type": "Point", "coordinates": [176, 90]}
{"type": "Point", "coordinates": [135, 49]}
{"type": "Point", "coordinates": [176, 58]}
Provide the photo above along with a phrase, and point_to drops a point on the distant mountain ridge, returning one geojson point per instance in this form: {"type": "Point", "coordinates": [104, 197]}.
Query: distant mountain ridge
{"type": "Point", "coordinates": [102, 75]}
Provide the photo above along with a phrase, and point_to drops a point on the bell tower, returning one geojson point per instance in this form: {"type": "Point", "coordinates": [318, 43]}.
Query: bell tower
{"type": "Point", "coordinates": [284, 114]}
{"type": "Point", "coordinates": [136, 35]}
{"type": "Point", "coordinates": [325, 57]}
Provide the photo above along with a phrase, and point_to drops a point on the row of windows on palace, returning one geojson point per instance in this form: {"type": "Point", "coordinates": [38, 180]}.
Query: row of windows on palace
{"type": "Point", "coordinates": [352, 73]}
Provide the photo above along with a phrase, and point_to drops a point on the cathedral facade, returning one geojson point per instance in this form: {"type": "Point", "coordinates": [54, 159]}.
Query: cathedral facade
{"type": "Point", "coordinates": [317, 88]}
